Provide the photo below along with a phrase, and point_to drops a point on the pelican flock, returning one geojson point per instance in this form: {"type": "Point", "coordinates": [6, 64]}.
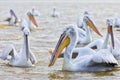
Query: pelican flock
{"type": "Point", "coordinates": [87, 60]}
{"type": "Point", "coordinates": [105, 57]}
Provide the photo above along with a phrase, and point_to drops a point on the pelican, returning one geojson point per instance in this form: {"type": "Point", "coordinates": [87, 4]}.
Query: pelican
{"type": "Point", "coordinates": [25, 58]}
{"type": "Point", "coordinates": [35, 12]}
{"type": "Point", "coordinates": [13, 19]}
{"type": "Point", "coordinates": [55, 13]}
{"type": "Point", "coordinates": [32, 24]}
{"type": "Point", "coordinates": [88, 60]}
{"type": "Point", "coordinates": [100, 43]}
{"type": "Point", "coordinates": [117, 22]}
{"type": "Point", "coordinates": [80, 22]}
{"type": "Point", "coordinates": [116, 50]}
{"type": "Point", "coordinates": [103, 44]}
{"type": "Point", "coordinates": [85, 35]}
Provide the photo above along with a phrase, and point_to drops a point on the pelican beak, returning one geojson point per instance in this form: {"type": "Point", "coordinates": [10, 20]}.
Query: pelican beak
{"type": "Point", "coordinates": [62, 43]}
{"type": "Point", "coordinates": [93, 27]}
{"type": "Point", "coordinates": [110, 31]}
{"type": "Point", "coordinates": [32, 19]}
{"type": "Point", "coordinates": [27, 47]}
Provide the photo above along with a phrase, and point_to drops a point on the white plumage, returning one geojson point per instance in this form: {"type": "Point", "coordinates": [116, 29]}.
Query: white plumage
{"type": "Point", "coordinates": [117, 22]}
{"type": "Point", "coordinates": [25, 57]}
{"type": "Point", "coordinates": [87, 59]}
{"type": "Point", "coordinates": [103, 44]}
{"type": "Point", "coordinates": [55, 13]}
{"type": "Point", "coordinates": [13, 19]}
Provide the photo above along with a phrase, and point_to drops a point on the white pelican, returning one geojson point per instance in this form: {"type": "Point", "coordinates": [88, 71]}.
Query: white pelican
{"type": "Point", "coordinates": [80, 22]}
{"type": "Point", "coordinates": [87, 60]}
{"type": "Point", "coordinates": [32, 24]}
{"type": "Point", "coordinates": [55, 13]}
{"type": "Point", "coordinates": [85, 35]}
{"type": "Point", "coordinates": [116, 49]}
{"type": "Point", "coordinates": [117, 22]}
{"type": "Point", "coordinates": [35, 12]}
{"type": "Point", "coordinates": [24, 58]}
{"type": "Point", "coordinates": [113, 47]}
{"type": "Point", "coordinates": [100, 43]}
{"type": "Point", "coordinates": [13, 19]}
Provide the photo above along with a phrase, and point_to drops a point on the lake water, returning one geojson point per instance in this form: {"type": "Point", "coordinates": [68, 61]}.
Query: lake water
{"type": "Point", "coordinates": [46, 37]}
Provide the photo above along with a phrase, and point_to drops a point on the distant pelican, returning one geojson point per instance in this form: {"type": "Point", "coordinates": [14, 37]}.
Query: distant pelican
{"type": "Point", "coordinates": [32, 24]}
{"type": "Point", "coordinates": [100, 43]}
{"type": "Point", "coordinates": [13, 19]}
{"type": "Point", "coordinates": [80, 22]}
{"type": "Point", "coordinates": [117, 22]}
{"type": "Point", "coordinates": [55, 13]}
{"type": "Point", "coordinates": [87, 60]}
{"type": "Point", "coordinates": [24, 58]}
{"type": "Point", "coordinates": [35, 12]}
{"type": "Point", "coordinates": [85, 35]}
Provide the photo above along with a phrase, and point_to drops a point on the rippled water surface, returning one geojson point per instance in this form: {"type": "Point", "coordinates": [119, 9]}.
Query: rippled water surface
{"type": "Point", "coordinates": [46, 36]}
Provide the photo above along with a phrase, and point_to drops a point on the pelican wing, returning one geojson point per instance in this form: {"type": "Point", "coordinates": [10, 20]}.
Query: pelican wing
{"type": "Point", "coordinates": [116, 50]}
{"type": "Point", "coordinates": [32, 57]}
{"type": "Point", "coordinates": [103, 56]}
{"type": "Point", "coordinates": [97, 44]}
{"type": "Point", "coordinates": [8, 50]}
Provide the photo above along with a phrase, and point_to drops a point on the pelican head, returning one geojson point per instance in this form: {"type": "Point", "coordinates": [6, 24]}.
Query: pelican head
{"type": "Point", "coordinates": [89, 23]}
{"type": "Point", "coordinates": [26, 31]}
{"type": "Point", "coordinates": [86, 13]}
{"type": "Point", "coordinates": [110, 31]}
{"type": "Point", "coordinates": [23, 24]}
{"type": "Point", "coordinates": [32, 19]}
{"type": "Point", "coordinates": [109, 22]}
{"type": "Point", "coordinates": [33, 9]}
{"type": "Point", "coordinates": [68, 36]}
{"type": "Point", "coordinates": [54, 9]}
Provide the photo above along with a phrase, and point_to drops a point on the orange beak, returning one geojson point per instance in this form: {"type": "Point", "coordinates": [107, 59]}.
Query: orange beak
{"type": "Point", "coordinates": [92, 26]}
{"type": "Point", "coordinates": [32, 19]}
{"type": "Point", "coordinates": [110, 31]}
{"type": "Point", "coordinates": [62, 43]}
